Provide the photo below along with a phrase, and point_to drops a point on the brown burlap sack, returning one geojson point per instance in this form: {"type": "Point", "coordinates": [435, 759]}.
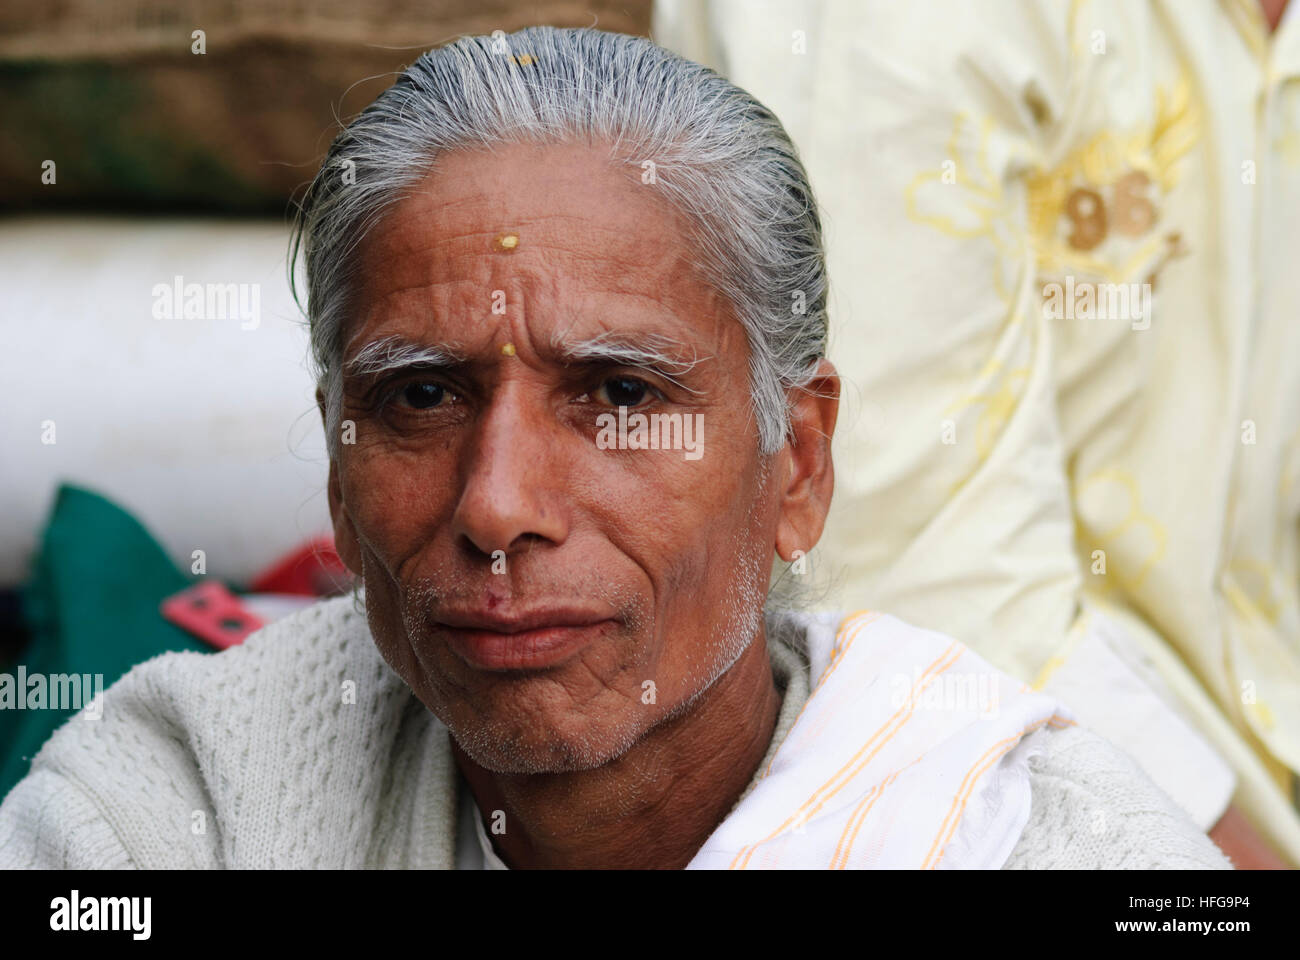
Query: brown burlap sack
{"type": "Point", "coordinates": [132, 117]}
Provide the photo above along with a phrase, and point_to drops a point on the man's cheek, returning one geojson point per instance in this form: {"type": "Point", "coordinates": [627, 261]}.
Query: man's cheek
{"type": "Point", "coordinates": [387, 626]}
{"type": "Point", "coordinates": [683, 605]}
{"type": "Point", "coordinates": [390, 503]}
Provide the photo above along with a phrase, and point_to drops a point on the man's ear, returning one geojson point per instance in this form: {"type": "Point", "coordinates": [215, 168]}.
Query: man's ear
{"type": "Point", "coordinates": [808, 478]}
{"type": "Point", "coordinates": [345, 535]}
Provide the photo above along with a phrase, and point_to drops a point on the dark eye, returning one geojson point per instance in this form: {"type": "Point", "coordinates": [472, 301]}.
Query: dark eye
{"type": "Point", "coordinates": [624, 391]}
{"type": "Point", "coordinates": [423, 395]}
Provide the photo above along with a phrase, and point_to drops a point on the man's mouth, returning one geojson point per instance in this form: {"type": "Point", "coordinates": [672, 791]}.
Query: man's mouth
{"type": "Point", "coordinates": [522, 639]}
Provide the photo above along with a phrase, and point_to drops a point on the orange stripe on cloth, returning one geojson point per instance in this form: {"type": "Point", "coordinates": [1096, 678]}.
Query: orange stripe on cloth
{"type": "Point", "coordinates": [837, 657]}
{"type": "Point", "coordinates": [967, 786]}
{"type": "Point", "coordinates": [857, 762]}
{"type": "Point", "coordinates": [841, 860]}
{"type": "Point", "coordinates": [851, 624]}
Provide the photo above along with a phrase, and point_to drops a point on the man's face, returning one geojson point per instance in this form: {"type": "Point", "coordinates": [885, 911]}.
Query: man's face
{"type": "Point", "coordinates": [549, 600]}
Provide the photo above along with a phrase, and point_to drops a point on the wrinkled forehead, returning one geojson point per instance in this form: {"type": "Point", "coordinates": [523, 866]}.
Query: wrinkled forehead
{"type": "Point", "coordinates": [561, 235]}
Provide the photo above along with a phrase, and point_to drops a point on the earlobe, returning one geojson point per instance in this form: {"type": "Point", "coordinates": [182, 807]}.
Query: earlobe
{"type": "Point", "coordinates": [785, 545]}
{"type": "Point", "coordinates": [786, 535]}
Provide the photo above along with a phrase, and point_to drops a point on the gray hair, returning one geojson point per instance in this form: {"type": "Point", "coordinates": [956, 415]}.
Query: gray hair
{"type": "Point", "coordinates": [719, 156]}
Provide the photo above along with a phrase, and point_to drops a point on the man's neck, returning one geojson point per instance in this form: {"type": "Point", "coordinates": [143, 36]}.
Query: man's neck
{"type": "Point", "coordinates": [654, 806]}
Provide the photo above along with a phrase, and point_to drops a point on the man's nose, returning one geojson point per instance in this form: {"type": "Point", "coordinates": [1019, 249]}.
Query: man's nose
{"type": "Point", "coordinates": [512, 481]}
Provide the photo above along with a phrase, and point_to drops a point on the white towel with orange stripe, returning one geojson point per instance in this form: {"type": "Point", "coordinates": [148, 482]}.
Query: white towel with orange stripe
{"type": "Point", "coordinates": [911, 752]}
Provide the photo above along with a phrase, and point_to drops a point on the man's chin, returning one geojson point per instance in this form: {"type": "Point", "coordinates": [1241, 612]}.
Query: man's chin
{"type": "Point", "coordinates": [518, 749]}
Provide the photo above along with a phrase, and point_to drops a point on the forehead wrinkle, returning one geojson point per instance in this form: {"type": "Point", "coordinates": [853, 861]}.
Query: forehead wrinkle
{"type": "Point", "coordinates": [539, 250]}
{"type": "Point", "coordinates": [499, 209]}
{"type": "Point", "coordinates": [648, 231]}
{"type": "Point", "coordinates": [538, 291]}
{"type": "Point", "coordinates": [538, 259]}
{"type": "Point", "coordinates": [414, 286]}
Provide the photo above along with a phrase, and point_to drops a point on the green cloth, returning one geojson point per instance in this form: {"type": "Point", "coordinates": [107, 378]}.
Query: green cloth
{"type": "Point", "coordinates": [91, 607]}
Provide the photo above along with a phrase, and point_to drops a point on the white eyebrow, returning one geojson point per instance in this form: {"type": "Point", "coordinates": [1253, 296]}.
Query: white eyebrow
{"type": "Point", "coordinates": [652, 351]}
{"type": "Point", "coordinates": [397, 353]}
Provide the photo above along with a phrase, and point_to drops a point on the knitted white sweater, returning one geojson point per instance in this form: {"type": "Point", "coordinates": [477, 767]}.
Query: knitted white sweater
{"type": "Point", "coordinates": [254, 758]}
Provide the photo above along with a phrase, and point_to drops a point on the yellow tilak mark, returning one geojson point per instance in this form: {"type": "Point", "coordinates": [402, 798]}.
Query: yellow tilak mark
{"type": "Point", "coordinates": [508, 350]}
{"type": "Point", "coordinates": [507, 242]}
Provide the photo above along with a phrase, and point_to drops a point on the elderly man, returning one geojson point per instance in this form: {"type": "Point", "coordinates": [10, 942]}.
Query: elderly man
{"type": "Point", "coordinates": [568, 303]}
